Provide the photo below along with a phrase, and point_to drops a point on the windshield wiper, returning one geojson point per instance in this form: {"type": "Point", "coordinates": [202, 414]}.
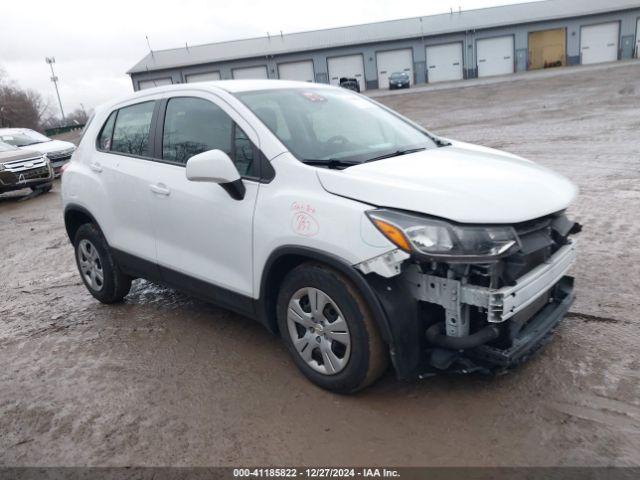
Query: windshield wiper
{"type": "Point", "coordinates": [397, 153]}
{"type": "Point", "coordinates": [331, 163]}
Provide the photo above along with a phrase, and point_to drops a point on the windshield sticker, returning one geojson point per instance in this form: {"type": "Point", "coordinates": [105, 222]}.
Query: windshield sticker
{"type": "Point", "coordinates": [303, 221]}
{"type": "Point", "coordinates": [313, 97]}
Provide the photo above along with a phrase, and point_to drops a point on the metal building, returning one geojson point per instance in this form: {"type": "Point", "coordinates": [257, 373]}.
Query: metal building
{"type": "Point", "coordinates": [446, 47]}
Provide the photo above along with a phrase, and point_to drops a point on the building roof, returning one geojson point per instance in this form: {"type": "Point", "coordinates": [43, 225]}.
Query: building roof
{"type": "Point", "coordinates": [377, 32]}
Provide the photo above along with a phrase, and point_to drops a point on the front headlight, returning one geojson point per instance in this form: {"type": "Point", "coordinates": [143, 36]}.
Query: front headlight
{"type": "Point", "coordinates": [440, 240]}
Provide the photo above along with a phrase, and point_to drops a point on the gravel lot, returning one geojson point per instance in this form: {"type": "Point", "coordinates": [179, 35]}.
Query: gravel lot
{"type": "Point", "coordinates": [168, 380]}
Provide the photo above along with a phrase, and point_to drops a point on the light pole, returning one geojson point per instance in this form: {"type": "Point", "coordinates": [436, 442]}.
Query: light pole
{"type": "Point", "coordinates": [54, 79]}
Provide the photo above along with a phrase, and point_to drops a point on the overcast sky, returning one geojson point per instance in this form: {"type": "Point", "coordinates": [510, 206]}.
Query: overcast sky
{"type": "Point", "coordinates": [95, 43]}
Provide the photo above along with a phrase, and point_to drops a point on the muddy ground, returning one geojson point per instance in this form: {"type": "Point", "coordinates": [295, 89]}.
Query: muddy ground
{"type": "Point", "coordinates": [168, 380]}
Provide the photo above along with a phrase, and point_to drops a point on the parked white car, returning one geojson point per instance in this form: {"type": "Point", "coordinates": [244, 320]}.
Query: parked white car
{"type": "Point", "coordinates": [59, 152]}
{"type": "Point", "coordinates": [350, 230]}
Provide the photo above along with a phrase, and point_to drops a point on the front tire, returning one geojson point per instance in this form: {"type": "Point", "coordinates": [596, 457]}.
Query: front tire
{"type": "Point", "coordinates": [98, 270]}
{"type": "Point", "coordinates": [329, 330]}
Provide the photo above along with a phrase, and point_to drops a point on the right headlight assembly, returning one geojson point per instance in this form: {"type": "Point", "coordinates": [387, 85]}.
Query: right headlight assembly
{"type": "Point", "coordinates": [439, 240]}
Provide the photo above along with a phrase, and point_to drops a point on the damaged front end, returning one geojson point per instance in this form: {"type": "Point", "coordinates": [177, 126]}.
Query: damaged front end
{"type": "Point", "coordinates": [486, 307]}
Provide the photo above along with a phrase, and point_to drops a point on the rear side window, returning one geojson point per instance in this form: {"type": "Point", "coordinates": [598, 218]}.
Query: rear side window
{"type": "Point", "coordinates": [193, 126]}
{"type": "Point", "coordinates": [104, 140]}
{"type": "Point", "coordinates": [131, 131]}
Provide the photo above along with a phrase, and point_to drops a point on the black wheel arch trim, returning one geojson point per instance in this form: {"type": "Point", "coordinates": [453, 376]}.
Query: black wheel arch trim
{"type": "Point", "coordinates": [393, 308]}
{"type": "Point", "coordinates": [73, 207]}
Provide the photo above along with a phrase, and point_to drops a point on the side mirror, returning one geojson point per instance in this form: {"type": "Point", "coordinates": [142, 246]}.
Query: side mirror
{"type": "Point", "coordinates": [215, 166]}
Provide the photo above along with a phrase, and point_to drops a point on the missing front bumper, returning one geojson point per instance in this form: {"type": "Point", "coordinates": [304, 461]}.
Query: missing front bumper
{"type": "Point", "coordinates": [414, 300]}
{"type": "Point", "coordinates": [501, 304]}
{"type": "Point", "coordinates": [524, 337]}
{"type": "Point", "coordinates": [527, 338]}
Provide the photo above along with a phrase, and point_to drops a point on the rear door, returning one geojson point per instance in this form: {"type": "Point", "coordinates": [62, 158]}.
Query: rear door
{"type": "Point", "coordinates": [204, 237]}
{"type": "Point", "coordinates": [121, 165]}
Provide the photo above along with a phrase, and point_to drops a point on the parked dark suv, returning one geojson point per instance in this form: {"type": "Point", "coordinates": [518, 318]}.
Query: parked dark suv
{"type": "Point", "coordinates": [23, 169]}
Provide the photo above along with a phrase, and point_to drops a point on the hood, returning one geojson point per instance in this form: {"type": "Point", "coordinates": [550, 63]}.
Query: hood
{"type": "Point", "coordinates": [52, 146]}
{"type": "Point", "coordinates": [18, 154]}
{"type": "Point", "coordinates": [463, 183]}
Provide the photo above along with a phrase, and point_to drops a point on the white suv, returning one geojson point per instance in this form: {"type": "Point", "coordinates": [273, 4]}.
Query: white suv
{"type": "Point", "coordinates": [353, 232]}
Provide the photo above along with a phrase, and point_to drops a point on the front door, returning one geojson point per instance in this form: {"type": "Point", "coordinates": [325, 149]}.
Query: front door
{"type": "Point", "coordinates": [203, 236]}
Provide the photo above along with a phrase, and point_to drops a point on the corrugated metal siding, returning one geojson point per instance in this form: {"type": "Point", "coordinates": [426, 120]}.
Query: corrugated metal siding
{"type": "Point", "coordinates": [378, 32]}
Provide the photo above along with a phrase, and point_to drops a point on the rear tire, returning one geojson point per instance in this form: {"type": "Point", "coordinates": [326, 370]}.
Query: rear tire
{"type": "Point", "coordinates": [98, 270]}
{"type": "Point", "coordinates": [332, 338]}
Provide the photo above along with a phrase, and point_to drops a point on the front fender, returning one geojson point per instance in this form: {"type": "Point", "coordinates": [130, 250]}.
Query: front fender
{"type": "Point", "coordinates": [393, 307]}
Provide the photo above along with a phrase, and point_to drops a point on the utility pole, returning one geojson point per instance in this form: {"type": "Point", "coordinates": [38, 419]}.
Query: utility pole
{"type": "Point", "coordinates": [54, 79]}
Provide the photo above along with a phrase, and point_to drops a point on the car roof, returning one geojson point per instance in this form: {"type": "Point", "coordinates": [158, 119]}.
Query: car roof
{"type": "Point", "coordinates": [233, 86]}
{"type": "Point", "coordinates": [229, 86]}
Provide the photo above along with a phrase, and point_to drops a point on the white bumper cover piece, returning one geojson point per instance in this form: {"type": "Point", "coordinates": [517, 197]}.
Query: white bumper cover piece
{"type": "Point", "coordinates": [500, 304]}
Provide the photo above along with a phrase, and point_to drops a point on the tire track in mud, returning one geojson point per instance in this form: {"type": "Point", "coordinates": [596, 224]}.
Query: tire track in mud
{"type": "Point", "coordinates": [594, 318]}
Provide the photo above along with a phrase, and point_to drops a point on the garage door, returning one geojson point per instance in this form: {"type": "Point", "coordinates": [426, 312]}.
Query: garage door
{"type": "Point", "coordinates": [547, 49]}
{"type": "Point", "coordinates": [599, 43]}
{"type": "Point", "coordinates": [300, 71]}
{"type": "Point", "coordinates": [351, 66]}
{"type": "Point", "coordinates": [154, 83]}
{"type": "Point", "coordinates": [495, 56]}
{"type": "Point", "coordinates": [250, 72]}
{"type": "Point", "coordinates": [444, 63]}
{"type": "Point", "coordinates": [394, 61]}
{"type": "Point", "coordinates": [202, 77]}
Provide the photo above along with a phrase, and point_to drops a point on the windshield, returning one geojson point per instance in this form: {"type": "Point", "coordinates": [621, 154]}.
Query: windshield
{"type": "Point", "coordinates": [23, 138]}
{"type": "Point", "coordinates": [331, 124]}
{"type": "Point", "coordinates": [5, 147]}
{"type": "Point", "coordinates": [398, 75]}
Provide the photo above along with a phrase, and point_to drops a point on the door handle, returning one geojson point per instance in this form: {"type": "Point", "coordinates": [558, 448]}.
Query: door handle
{"type": "Point", "coordinates": [160, 189]}
{"type": "Point", "coordinates": [96, 167]}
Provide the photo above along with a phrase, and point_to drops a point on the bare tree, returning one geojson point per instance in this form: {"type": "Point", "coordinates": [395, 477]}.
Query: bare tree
{"type": "Point", "coordinates": [78, 116]}
{"type": "Point", "coordinates": [19, 107]}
